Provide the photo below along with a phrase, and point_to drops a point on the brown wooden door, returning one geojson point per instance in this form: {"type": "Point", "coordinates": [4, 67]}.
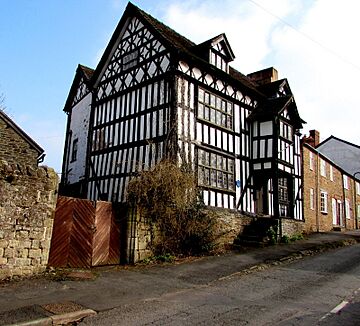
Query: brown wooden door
{"type": "Point", "coordinates": [106, 244]}
{"type": "Point", "coordinates": [85, 234]}
{"type": "Point", "coordinates": [71, 242]}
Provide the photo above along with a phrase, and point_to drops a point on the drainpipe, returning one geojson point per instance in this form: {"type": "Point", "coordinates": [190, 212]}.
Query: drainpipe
{"type": "Point", "coordinates": [317, 193]}
{"type": "Point", "coordinates": [355, 210]}
{"type": "Point", "coordinates": [344, 203]}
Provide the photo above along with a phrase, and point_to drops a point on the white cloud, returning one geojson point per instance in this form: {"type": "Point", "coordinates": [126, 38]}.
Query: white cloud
{"type": "Point", "coordinates": [246, 25]}
{"type": "Point", "coordinates": [322, 79]}
{"type": "Point", "coordinates": [324, 85]}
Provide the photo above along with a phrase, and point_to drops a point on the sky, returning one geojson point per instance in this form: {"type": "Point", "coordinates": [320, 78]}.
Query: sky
{"type": "Point", "coordinates": [314, 44]}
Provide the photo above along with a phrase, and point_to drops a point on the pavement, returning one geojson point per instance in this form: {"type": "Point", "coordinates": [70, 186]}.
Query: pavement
{"type": "Point", "coordinates": [63, 297]}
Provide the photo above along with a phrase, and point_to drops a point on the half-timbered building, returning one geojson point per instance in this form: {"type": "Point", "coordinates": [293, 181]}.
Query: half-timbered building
{"type": "Point", "coordinates": [156, 94]}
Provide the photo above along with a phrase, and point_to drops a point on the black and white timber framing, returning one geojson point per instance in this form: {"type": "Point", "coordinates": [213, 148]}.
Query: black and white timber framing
{"type": "Point", "coordinates": [155, 94]}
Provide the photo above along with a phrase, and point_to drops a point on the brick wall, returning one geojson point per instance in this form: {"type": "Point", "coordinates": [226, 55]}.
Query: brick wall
{"type": "Point", "coordinates": [14, 148]}
{"type": "Point", "coordinates": [315, 218]}
{"type": "Point", "coordinates": [27, 204]}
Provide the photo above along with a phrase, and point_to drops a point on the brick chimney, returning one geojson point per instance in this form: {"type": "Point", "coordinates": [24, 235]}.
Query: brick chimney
{"type": "Point", "coordinates": [264, 76]}
{"type": "Point", "coordinates": [313, 139]}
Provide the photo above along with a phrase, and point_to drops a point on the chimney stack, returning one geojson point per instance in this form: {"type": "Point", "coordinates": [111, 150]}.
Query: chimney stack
{"type": "Point", "coordinates": [264, 76]}
{"type": "Point", "coordinates": [313, 139]}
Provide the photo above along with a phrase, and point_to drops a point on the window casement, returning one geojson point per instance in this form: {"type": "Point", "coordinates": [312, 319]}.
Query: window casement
{"type": "Point", "coordinates": [323, 202]}
{"type": "Point", "coordinates": [283, 196]}
{"type": "Point", "coordinates": [331, 172]}
{"type": "Point", "coordinates": [218, 60]}
{"type": "Point", "coordinates": [345, 182]}
{"type": "Point", "coordinates": [358, 210]}
{"type": "Point", "coordinates": [323, 168]}
{"type": "Point", "coordinates": [312, 199]}
{"type": "Point", "coordinates": [215, 109]}
{"type": "Point", "coordinates": [286, 130]}
{"type": "Point", "coordinates": [347, 209]}
{"type": "Point", "coordinates": [74, 150]}
{"type": "Point", "coordinates": [357, 188]}
{"type": "Point", "coordinates": [311, 161]}
{"type": "Point", "coordinates": [215, 171]}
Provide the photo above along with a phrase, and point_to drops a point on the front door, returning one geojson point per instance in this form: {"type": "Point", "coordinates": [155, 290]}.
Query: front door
{"type": "Point", "coordinates": [339, 213]}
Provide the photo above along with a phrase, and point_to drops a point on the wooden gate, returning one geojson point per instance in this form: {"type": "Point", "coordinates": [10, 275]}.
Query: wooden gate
{"type": "Point", "coordinates": [85, 234]}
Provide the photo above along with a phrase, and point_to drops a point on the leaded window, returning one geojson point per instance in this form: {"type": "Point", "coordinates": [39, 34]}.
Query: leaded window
{"type": "Point", "coordinates": [283, 196]}
{"type": "Point", "coordinates": [215, 170]}
{"type": "Point", "coordinates": [74, 150]}
{"type": "Point", "coordinates": [215, 109]}
{"type": "Point", "coordinates": [285, 130]}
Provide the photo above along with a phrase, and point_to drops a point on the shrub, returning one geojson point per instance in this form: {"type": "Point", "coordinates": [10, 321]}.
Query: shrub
{"type": "Point", "coordinates": [285, 239]}
{"type": "Point", "coordinates": [272, 235]}
{"type": "Point", "coordinates": [167, 197]}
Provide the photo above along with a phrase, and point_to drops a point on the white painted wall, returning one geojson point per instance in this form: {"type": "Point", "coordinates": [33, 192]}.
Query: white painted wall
{"type": "Point", "coordinates": [79, 126]}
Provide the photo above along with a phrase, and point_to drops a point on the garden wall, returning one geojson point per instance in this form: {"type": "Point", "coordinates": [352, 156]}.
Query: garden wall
{"type": "Point", "coordinates": [27, 205]}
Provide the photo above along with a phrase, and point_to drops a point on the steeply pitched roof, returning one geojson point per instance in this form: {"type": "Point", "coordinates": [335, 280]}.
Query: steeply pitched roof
{"type": "Point", "coordinates": [271, 108]}
{"type": "Point", "coordinates": [274, 106]}
{"type": "Point", "coordinates": [88, 72]}
{"type": "Point", "coordinates": [270, 89]}
{"type": "Point", "coordinates": [338, 139]}
{"type": "Point", "coordinates": [21, 132]}
{"type": "Point", "coordinates": [205, 46]}
{"type": "Point", "coordinates": [185, 49]}
{"type": "Point", "coordinates": [330, 161]}
{"type": "Point", "coordinates": [176, 43]}
{"type": "Point", "coordinates": [82, 72]}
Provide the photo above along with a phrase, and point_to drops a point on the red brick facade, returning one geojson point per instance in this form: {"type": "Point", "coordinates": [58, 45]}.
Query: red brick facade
{"type": "Point", "coordinates": [330, 198]}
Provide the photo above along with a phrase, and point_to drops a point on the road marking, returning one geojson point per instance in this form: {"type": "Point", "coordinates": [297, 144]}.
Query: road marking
{"type": "Point", "coordinates": [339, 307]}
{"type": "Point", "coordinates": [336, 310]}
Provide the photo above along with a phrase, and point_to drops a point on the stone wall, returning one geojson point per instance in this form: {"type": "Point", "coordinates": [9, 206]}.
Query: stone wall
{"type": "Point", "coordinates": [290, 227]}
{"type": "Point", "coordinates": [230, 224]}
{"type": "Point", "coordinates": [15, 149]}
{"type": "Point", "coordinates": [27, 205]}
{"type": "Point", "coordinates": [140, 233]}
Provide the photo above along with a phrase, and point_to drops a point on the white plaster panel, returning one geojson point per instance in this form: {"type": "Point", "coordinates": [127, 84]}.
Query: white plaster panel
{"type": "Point", "coordinates": [79, 126]}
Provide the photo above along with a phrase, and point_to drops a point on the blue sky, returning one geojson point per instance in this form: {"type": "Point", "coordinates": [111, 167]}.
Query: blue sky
{"type": "Point", "coordinates": [312, 43]}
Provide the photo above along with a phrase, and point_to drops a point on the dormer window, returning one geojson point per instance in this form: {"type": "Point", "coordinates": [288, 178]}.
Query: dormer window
{"type": "Point", "coordinates": [217, 59]}
{"type": "Point", "coordinates": [217, 51]}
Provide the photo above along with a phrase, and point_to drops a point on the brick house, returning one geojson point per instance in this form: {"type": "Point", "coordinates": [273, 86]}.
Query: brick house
{"type": "Point", "coordinates": [331, 195]}
{"type": "Point", "coordinates": [16, 147]}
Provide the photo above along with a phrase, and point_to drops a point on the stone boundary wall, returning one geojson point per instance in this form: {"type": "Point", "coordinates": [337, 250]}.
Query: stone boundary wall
{"type": "Point", "coordinates": [230, 224]}
{"type": "Point", "coordinates": [292, 227]}
{"type": "Point", "coordinates": [27, 205]}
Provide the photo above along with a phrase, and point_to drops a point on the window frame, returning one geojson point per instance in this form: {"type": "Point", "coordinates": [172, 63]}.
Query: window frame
{"type": "Point", "coordinates": [346, 182]}
{"type": "Point", "coordinates": [322, 167]}
{"type": "Point", "coordinates": [211, 108]}
{"type": "Point", "coordinates": [312, 202]}
{"type": "Point", "coordinates": [331, 172]}
{"type": "Point", "coordinates": [74, 149]}
{"type": "Point", "coordinates": [215, 171]}
{"type": "Point", "coordinates": [323, 201]}
{"type": "Point", "coordinates": [347, 208]}
{"type": "Point", "coordinates": [311, 161]}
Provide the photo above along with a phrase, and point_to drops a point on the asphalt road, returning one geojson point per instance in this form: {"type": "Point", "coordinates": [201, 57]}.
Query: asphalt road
{"type": "Point", "coordinates": [316, 290]}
